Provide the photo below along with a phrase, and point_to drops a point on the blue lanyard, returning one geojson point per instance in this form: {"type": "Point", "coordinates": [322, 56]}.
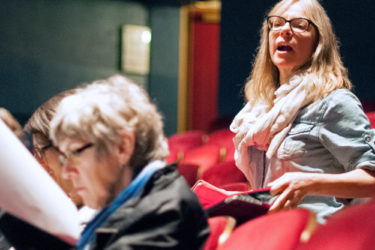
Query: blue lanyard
{"type": "Point", "coordinates": [129, 192]}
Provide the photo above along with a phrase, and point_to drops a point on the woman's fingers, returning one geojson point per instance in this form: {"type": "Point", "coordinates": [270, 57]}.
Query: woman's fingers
{"type": "Point", "coordinates": [278, 185]}
{"type": "Point", "coordinates": [280, 201]}
{"type": "Point", "coordinates": [297, 197]}
{"type": "Point", "coordinates": [291, 187]}
{"type": "Point", "coordinates": [288, 199]}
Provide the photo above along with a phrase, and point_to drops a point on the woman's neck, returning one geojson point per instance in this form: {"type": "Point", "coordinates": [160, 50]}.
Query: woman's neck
{"type": "Point", "coordinates": [124, 179]}
{"type": "Point", "coordinates": [283, 78]}
{"type": "Point", "coordinates": [126, 176]}
{"type": "Point", "coordinates": [284, 75]}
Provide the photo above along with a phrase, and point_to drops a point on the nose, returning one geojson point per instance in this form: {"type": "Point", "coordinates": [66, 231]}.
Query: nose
{"type": "Point", "coordinates": [286, 30]}
{"type": "Point", "coordinates": [68, 170]}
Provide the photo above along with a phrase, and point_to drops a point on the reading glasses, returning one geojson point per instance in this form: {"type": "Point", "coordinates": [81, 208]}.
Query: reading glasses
{"type": "Point", "coordinates": [298, 25]}
{"type": "Point", "coordinates": [73, 155]}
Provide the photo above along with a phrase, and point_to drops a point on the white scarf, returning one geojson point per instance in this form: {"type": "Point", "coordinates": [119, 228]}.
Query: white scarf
{"type": "Point", "coordinates": [266, 126]}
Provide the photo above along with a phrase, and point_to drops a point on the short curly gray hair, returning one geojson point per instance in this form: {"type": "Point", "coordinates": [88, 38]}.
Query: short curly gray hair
{"type": "Point", "coordinates": [103, 110]}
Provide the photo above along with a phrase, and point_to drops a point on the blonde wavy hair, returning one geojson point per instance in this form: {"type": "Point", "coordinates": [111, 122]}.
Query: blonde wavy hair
{"type": "Point", "coordinates": [325, 65]}
{"type": "Point", "coordinates": [103, 110]}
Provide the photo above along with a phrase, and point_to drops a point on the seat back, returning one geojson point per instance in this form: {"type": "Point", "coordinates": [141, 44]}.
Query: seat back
{"type": "Point", "coordinates": [204, 156]}
{"type": "Point", "coordinates": [189, 172]}
{"type": "Point", "coordinates": [350, 229]}
{"type": "Point", "coordinates": [223, 138]}
{"type": "Point", "coordinates": [179, 143]}
{"type": "Point", "coordinates": [220, 229]}
{"type": "Point", "coordinates": [371, 117]}
{"type": "Point", "coordinates": [223, 173]}
{"type": "Point", "coordinates": [282, 230]}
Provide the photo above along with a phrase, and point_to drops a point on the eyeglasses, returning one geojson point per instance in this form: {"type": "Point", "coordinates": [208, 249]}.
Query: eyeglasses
{"type": "Point", "coordinates": [39, 151]}
{"type": "Point", "coordinates": [297, 25]}
{"type": "Point", "coordinates": [73, 155]}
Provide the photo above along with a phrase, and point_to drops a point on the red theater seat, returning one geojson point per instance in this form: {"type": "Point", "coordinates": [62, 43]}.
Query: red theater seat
{"type": "Point", "coordinates": [371, 117]}
{"type": "Point", "coordinates": [190, 172]}
{"type": "Point", "coordinates": [204, 156]}
{"type": "Point", "coordinates": [350, 229]}
{"type": "Point", "coordinates": [180, 143]}
{"type": "Point", "coordinates": [223, 173]}
{"type": "Point", "coordinates": [220, 229]}
{"type": "Point", "coordinates": [282, 230]}
{"type": "Point", "coordinates": [223, 138]}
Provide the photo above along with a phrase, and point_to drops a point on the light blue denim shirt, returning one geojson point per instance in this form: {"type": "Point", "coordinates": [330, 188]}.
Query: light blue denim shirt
{"type": "Point", "coordinates": [331, 135]}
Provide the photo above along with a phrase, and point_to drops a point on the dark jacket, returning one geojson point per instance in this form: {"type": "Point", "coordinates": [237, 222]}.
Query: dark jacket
{"type": "Point", "coordinates": [24, 236]}
{"type": "Point", "coordinates": [4, 245]}
{"type": "Point", "coordinates": [165, 215]}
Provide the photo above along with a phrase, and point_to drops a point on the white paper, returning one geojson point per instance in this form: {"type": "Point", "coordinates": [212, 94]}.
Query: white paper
{"type": "Point", "coordinates": [29, 193]}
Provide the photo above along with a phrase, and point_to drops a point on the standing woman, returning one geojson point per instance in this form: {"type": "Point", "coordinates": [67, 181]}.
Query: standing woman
{"type": "Point", "coordinates": [303, 132]}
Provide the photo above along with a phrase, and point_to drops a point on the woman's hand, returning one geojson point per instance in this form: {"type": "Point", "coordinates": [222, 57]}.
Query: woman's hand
{"type": "Point", "coordinates": [291, 187]}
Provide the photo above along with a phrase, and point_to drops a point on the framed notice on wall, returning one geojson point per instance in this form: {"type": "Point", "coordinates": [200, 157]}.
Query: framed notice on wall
{"type": "Point", "coordinates": [135, 56]}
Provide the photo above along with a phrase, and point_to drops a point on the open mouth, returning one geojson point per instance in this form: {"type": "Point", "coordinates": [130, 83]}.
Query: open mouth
{"type": "Point", "coordinates": [284, 48]}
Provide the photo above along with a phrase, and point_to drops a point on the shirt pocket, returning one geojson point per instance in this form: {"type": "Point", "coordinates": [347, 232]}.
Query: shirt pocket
{"type": "Point", "coordinates": [295, 142]}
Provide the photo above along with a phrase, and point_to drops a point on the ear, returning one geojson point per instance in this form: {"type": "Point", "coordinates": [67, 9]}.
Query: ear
{"type": "Point", "coordinates": [126, 146]}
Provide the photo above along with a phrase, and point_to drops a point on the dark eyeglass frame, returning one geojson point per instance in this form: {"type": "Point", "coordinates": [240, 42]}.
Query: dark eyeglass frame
{"type": "Point", "coordinates": [270, 24]}
{"type": "Point", "coordinates": [64, 157]}
{"type": "Point", "coordinates": [40, 151]}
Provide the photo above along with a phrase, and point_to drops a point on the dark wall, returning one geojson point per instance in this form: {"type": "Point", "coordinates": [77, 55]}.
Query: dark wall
{"type": "Point", "coordinates": [240, 24]}
{"type": "Point", "coordinates": [50, 46]}
{"type": "Point", "coordinates": [353, 22]}
{"type": "Point", "coordinates": [163, 79]}
{"type": "Point", "coordinates": [239, 37]}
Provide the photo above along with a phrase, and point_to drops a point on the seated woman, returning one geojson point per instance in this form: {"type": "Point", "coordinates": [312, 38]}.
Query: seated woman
{"type": "Point", "coordinates": [303, 132]}
{"type": "Point", "coordinates": [48, 156]}
{"type": "Point", "coordinates": [44, 151]}
{"type": "Point", "coordinates": [112, 149]}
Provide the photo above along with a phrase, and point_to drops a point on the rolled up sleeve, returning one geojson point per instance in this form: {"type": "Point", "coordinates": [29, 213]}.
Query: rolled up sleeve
{"type": "Point", "coordinates": [345, 131]}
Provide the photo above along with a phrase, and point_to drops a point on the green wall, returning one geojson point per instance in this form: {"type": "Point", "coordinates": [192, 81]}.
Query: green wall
{"type": "Point", "coordinates": [163, 82]}
{"type": "Point", "coordinates": [50, 46]}
{"type": "Point", "coordinates": [47, 46]}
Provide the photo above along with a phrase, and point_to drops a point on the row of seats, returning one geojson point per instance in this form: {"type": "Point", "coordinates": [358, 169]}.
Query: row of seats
{"type": "Point", "coordinates": [296, 229]}
{"type": "Point", "coordinates": [187, 146]}
{"type": "Point", "coordinates": [181, 145]}
{"type": "Point", "coordinates": [205, 156]}
{"type": "Point", "coordinates": [210, 157]}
